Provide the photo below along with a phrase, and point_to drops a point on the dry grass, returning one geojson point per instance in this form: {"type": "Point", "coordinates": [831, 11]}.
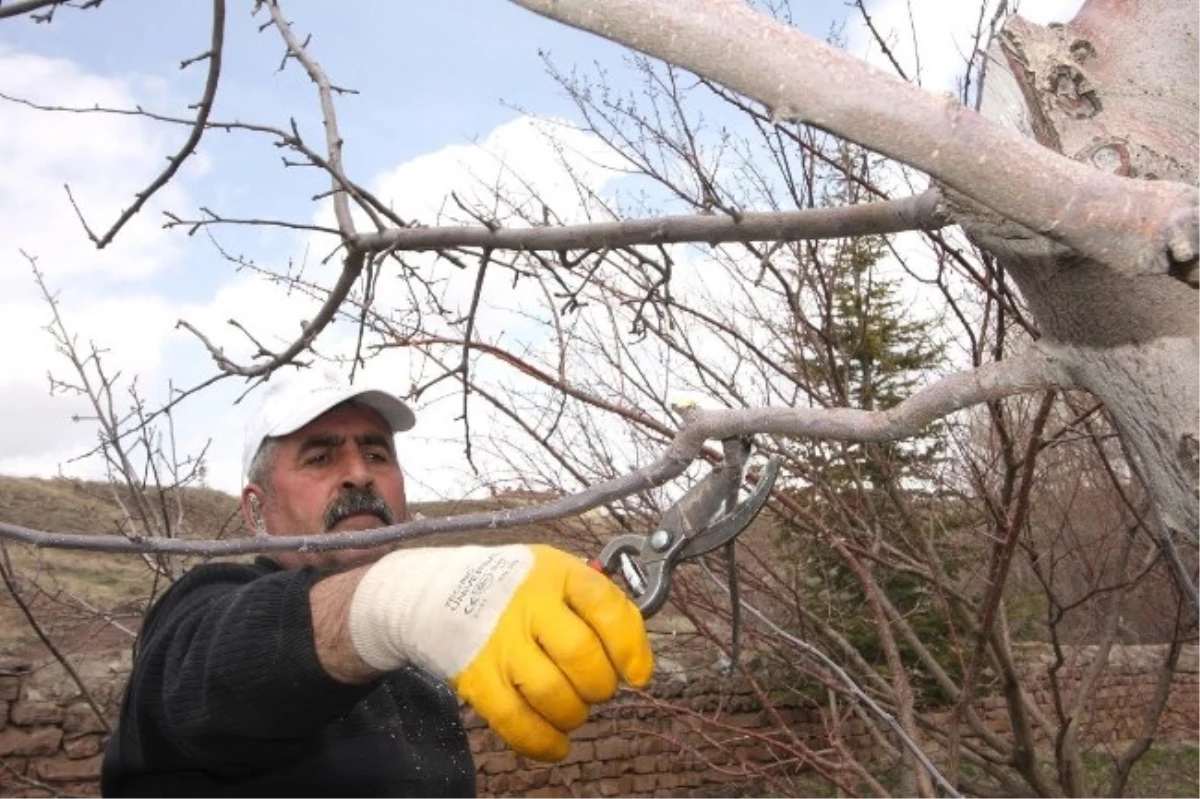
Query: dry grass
{"type": "Point", "coordinates": [78, 595]}
{"type": "Point", "coordinates": [79, 506]}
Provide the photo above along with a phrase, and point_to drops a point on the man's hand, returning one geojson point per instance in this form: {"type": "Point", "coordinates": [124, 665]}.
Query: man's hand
{"type": "Point", "coordinates": [528, 635]}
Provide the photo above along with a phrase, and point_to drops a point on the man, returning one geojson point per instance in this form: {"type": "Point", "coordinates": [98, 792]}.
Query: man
{"type": "Point", "coordinates": [330, 673]}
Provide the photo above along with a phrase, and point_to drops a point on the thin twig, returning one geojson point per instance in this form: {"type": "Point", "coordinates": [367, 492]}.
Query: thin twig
{"type": "Point", "coordinates": [851, 686]}
{"type": "Point", "coordinates": [880, 39]}
{"type": "Point", "coordinates": [465, 364]}
{"type": "Point", "coordinates": [333, 139]}
{"type": "Point", "coordinates": [204, 108]}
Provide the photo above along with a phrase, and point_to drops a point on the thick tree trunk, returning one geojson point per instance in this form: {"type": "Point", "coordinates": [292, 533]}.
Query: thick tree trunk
{"type": "Point", "coordinates": [1116, 88]}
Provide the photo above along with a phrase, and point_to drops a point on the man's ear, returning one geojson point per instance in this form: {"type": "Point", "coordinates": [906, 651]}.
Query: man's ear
{"type": "Point", "coordinates": [252, 509]}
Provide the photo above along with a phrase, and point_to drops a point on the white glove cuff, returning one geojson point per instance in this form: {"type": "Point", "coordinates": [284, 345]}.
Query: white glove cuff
{"type": "Point", "coordinates": [435, 607]}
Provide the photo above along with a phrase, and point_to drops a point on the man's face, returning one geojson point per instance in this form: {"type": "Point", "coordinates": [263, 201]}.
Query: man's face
{"type": "Point", "coordinates": [337, 473]}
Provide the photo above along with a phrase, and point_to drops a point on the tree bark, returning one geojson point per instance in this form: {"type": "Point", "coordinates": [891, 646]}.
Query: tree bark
{"type": "Point", "coordinates": [1116, 88]}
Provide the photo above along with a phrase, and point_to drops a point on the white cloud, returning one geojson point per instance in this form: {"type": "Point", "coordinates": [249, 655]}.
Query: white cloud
{"type": "Point", "coordinates": [104, 159]}
{"type": "Point", "coordinates": [518, 157]}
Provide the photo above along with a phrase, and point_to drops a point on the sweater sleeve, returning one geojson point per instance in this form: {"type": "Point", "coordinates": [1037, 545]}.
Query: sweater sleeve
{"type": "Point", "coordinates": [227, 669]}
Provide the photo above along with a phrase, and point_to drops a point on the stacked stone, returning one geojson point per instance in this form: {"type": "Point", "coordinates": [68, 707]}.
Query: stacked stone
{"type": "Point", "coordinates": [636, 747]}
{"type": "Point", "coordinates": [712, 740]}
{"type": "Point", "coordinates": [45, 747]}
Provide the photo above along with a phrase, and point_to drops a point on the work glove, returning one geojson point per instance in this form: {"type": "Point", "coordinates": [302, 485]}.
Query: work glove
{"type": "Point", "coordinates": [529, 636]}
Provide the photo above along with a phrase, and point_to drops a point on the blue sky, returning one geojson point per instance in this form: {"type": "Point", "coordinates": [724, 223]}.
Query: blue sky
{"type": "Point", "coordinates": [437, 82]}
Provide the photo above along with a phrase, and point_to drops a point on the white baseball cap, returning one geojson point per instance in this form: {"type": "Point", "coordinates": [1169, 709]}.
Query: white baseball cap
{"type": "Point", "coordinates": [293, 399]}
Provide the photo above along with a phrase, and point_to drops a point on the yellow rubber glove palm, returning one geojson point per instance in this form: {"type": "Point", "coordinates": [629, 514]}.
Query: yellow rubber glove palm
{"type": "Point", "coordinates": [530, 636]}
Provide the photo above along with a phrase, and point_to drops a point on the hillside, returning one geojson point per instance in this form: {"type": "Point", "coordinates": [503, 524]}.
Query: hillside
{"type": "Point", "coordinates": [84, 598]}
{"type": "Point", "coordinates": [80, 506]}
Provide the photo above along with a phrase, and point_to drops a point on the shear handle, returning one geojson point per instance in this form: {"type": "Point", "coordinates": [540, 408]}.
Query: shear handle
{"type": "Point", "coordinates": [645, 569]}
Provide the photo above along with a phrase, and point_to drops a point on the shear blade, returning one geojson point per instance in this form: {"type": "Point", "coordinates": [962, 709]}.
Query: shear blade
{"type": "Point", "coordinates": [731, 525]}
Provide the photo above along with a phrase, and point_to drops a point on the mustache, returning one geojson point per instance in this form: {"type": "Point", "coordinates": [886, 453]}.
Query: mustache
{"type": "Point", "coordinates": [357, 500]}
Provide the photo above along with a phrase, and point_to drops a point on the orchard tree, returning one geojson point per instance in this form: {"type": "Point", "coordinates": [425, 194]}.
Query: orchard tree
{"type": "Point", "coordinates": [1082, 189]}
{"type": "Point", "coordinates": [1069, 163]}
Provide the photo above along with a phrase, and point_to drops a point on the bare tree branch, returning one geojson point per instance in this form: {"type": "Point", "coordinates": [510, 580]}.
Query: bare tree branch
{"type": "Point", "coordinates": [352, 267]}
{"type": "Point", "coordinates": [355, 259]}
{"type": "Point", "coordinates": [204, 108]}
{"type": "Point", "coordinates": [853, 687]}
{"type": "Point", "coordinates": [1155, 231]}
{"type": "Point", "coordinates": [1124, 761]}
{"type": "Point", "coordinates": [333, 139]}
{"type": "Point", "coordinates": [992, 381]}
{"type": "Point", "coordinates": [289, 139]}
{"type": "Point", "coordinates": [1002, 553]}
{"type": "Point", "coordinates": [25, 6]}
{"type": "Point", "coordinates": [920, 212]}
{"type": "Point", "coordinates": [1032, 372]}
{"type": "Point", "coordinates": [880, 39]}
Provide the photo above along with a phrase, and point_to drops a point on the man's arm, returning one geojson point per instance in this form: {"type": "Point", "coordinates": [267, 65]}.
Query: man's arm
{"type": "Point", "coordinates": [227, 673]}
{"type": "Point", "coordinates": [330, 601]}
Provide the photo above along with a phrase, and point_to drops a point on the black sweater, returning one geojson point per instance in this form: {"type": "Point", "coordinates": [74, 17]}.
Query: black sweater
{"type": "Point", "coordinates": [227, 698]}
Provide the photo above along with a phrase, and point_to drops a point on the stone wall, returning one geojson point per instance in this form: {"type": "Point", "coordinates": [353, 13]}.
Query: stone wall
{"type": "Point", "coordinates": [49, 735]}
{"type": "Point", "coordinates": [661, 743]}
{"type": "Point", "coordinates": [1114, 714]}
{"type": "Point", "coordinates": [685, 737]}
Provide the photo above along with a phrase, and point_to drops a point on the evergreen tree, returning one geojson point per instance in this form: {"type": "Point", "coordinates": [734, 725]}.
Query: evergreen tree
{"type": "Point", "coordinates": [864, 348]}
{"type": "Point", "coordinates": [872, 354]}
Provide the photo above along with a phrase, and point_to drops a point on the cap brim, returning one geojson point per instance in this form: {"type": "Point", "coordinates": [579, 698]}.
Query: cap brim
{"type": "Point", "coordinates": [393, 410]}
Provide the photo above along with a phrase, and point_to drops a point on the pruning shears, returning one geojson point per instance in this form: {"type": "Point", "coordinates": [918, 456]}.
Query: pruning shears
{"type": "Point", "coordinates": [688, 529]}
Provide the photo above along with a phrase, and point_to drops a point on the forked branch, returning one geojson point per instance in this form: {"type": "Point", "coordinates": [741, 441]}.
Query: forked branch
{"type": "Point", "coordinates": [1132, 226]}
{"type": "Point", "coordinates": [352, 265]}
{"type": "Point", "coordinates": [1032, 372]}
